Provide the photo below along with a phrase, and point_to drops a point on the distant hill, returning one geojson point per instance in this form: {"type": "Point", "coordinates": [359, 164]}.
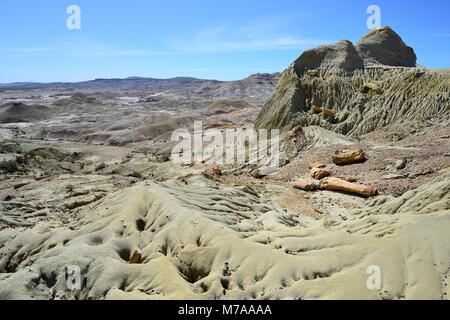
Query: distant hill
{"type": "Point", "coordinates": [263, 78]}
{"type": "Point", "coordinates": [20, 112]}
{"type": "Point", "coordinates": [442, 70]}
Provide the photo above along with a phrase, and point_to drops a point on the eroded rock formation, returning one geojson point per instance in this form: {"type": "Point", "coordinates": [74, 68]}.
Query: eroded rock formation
{"type": "Point", "coordinates": [354, 90]}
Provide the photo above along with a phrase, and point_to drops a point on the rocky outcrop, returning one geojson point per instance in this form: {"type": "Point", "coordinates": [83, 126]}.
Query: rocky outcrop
{"type": "Point", "coordinates": [384, 46]}
{"type": "Point", "coordinates": [341, 56]}
{"type": "Point", "coordinates": [353, 90]}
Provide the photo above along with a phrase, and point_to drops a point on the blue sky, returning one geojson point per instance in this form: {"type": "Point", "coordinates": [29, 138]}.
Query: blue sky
{"type": "Point", "coordinates": [223, 40]}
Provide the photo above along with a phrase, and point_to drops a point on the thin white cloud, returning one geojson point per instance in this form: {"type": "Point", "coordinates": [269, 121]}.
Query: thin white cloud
{"type": "Point", "coordinates": [259, 36]}
{"type": "Point", "coordinates": [247, 38]}
{"type": "Point", "coordinates": [92, 49]}
{"type": "Point", "coordinates": [80, 49]}
{"type": "Point", "coordinates": [27, 50]}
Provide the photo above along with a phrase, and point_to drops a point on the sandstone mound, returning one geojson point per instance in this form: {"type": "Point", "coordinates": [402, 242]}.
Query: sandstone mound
{"type": "Point", "coordinates": [384, 46]}
{"type": "Point", "coordinates": [77, 98]}
{"type": "Point", "coordinates": [21, 112]}
{"type": "Point", "coordinates": [156, 127]}
{"type": "Point", "coordinates": [341, 56]}
{"type": "Point", "coordinates": [329, 87]}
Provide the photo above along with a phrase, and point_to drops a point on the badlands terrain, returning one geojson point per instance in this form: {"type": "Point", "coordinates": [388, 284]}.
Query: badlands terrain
{"type": "Point", "coordinates": [86, 180]}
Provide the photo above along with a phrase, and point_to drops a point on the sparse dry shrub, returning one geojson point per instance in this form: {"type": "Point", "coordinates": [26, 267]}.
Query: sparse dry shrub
{"type": "Point", "coordinates": [70, 187]}
{"type": "Point", "coordinates": [8, 166]}
{"type": "Point", "coordinates": [100, 167]}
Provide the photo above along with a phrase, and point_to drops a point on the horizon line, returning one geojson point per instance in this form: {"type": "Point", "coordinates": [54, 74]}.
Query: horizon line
{"type": "Point", "coordinates": [132, 78]}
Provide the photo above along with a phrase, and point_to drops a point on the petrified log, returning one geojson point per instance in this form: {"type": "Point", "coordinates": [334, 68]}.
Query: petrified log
{"type": "Point", "coordinates": [319, 173]}
{"type": "Point", "coordinates": [345, 157]}
{"type": "Point", "coordinates": [305, 185]}
{"type": "Point", "coordinates": [347, 178]}
{"type": "Point", "coordinates": [335, 184]}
